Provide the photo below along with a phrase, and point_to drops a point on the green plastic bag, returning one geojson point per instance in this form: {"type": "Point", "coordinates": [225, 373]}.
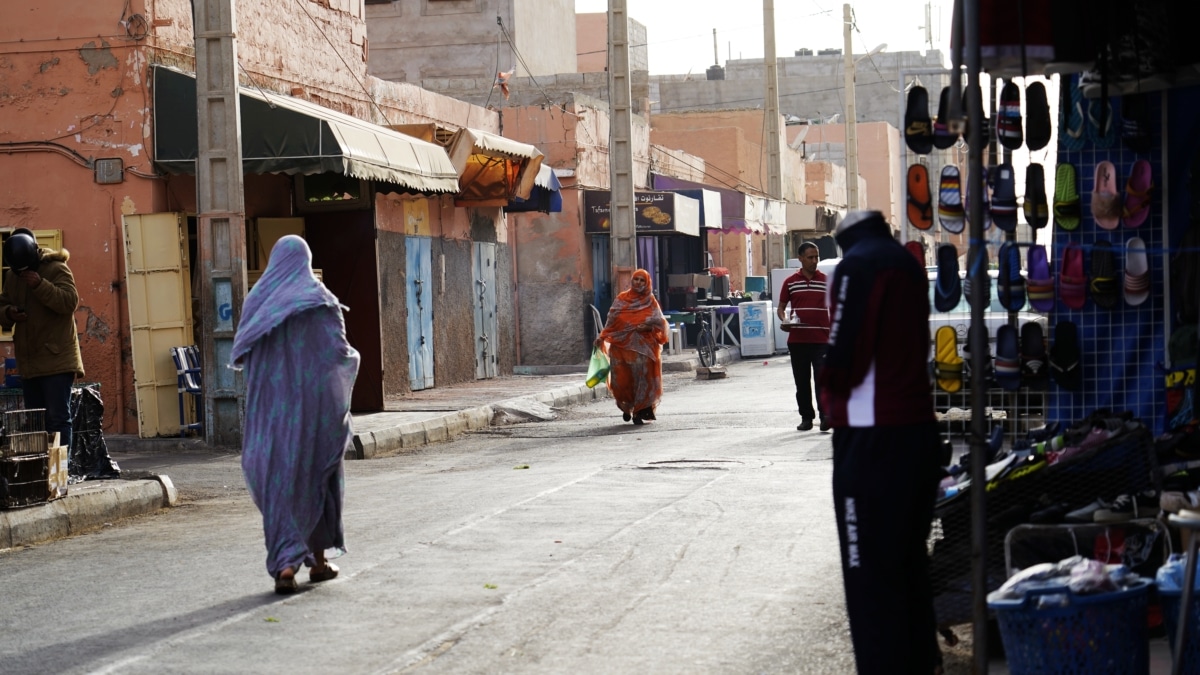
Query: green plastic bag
{"type": "Point", "coordinates": [598, 368]}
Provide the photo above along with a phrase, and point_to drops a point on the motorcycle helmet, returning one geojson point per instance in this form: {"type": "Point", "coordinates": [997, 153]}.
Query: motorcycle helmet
{"type": "Point", "coordinates": [21, 251]}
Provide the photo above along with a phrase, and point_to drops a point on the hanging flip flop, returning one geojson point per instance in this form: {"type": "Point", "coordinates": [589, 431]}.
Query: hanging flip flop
{"type": "Point", "coordinates": [947, 364]}
{"type": "Point", "coordinates": [1037, 117]}
{"type": "Point", "coordinates": [1004, 198]}
{"type": "Point", "coordinates": [1137, 272]}
{"type": "Point", "coordinates": [950, 207]}
{"type": "Point", "coordinates": [947, 290]}
{"type": "Point", "coordinates": [1106, 290]}
{"type": "Point", "coordinates": [1008, 358]}
{"type": "Point", "coordinates": [1010, 285]}
{"type": "Point", "coordinates": [1137, 194]}
{"type": "Point", "coordinates": [987, 216]}
{"type": "Point", "coordinates": [1040, 284]}
{"type": "Point", "coordinates": [1072, 281]}
{"type": "Point", "coordinates": [1065, 357]}
{"type": "Point", "coordinates": [1106, 203]}
{"type": "Point", "coordinates": [918, 128]}
{"type": "Point", "coordinates": [1037, 211]}
{"type": "Point", "coordinates": [1066, 198]}
{"type": "Point", "coordinates": [1072, 122]}
{"type": "Point", "coordinates": [1100, 123]}
{"type": "Point", "coordinates": [978, 269]}
{"type": "Point", "coordinates": [917, 250]}
{"type": "Point", "coordinates": [942, 137]}
{"type": "Point", "coordinates": [920, 201]}
{"type": "Point", "coordinates": [1034, 369]}
{"type": "Point", "coordinates": [1008, 117]}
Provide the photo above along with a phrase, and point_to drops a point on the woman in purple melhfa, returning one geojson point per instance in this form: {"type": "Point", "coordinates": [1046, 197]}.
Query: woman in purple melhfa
{"type": "Point", "coordinates": [300, 372]}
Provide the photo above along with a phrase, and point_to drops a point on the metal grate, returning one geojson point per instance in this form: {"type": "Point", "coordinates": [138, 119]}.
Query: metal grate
{"type": "Point", "coordinates": [1121, 347]}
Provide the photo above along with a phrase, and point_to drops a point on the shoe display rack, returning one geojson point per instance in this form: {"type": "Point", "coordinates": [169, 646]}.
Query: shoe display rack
{"type": "Point", "coordinates": [1121, 347]}
{"type": "Point", "coordinates": [1123, 465]}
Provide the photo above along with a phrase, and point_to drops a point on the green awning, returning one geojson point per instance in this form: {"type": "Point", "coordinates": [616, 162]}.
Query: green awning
{"type": "Point", "coordinates": [281, 134]}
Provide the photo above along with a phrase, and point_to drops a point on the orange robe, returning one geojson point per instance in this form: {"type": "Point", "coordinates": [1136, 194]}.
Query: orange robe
{"type": "Point", "coordinates": [635, 378]}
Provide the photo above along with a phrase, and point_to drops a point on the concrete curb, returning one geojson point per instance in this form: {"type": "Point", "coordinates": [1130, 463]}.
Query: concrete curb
{"type": "Point", "coordinates": [86, 507]}
{"type": "Point", "coordinates": [406, 438]}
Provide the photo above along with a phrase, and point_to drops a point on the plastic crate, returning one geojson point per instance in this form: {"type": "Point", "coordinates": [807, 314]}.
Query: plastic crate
{"type": "Point", "coordinates": [1170, 611]}
{"type": "Point", "coordinates": [1102, 633]}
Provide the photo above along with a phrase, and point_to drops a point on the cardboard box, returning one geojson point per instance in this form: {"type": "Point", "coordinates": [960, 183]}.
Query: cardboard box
{"type": "Point", "coordinates": [58, 476]}
{"type": "Point", "coordinates": [688, 281]}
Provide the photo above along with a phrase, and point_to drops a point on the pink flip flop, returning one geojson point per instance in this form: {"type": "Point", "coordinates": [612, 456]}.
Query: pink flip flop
{"type": "Point", "coordinates": [1072, 282]}
{"type": "Point", "coordinates": [1137, 194]}
{"type": "Point", "coordinates": [1106, 203]}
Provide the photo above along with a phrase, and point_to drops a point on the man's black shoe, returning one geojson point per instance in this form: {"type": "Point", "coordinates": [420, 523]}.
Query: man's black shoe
{"type": "Point", "coordinates": [825, 425]}
{"type": "Point", "coordinates": [806, 425]}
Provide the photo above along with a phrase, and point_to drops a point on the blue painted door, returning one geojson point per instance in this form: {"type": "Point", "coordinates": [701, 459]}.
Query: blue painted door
{"type": "Point", "coordinates": [601, 274]}
{"type": "Point", "coordinates": [487, 324]}
{"type": "Point", "coordinates": [420, 312]}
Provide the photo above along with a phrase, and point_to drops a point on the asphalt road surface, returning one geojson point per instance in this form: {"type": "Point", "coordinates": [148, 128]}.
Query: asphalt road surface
{"type": "Point", "coordinates": [700, 543]}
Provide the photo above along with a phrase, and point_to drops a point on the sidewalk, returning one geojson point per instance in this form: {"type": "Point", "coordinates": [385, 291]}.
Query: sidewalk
{"type": "Point", "coordinates": [423, 417]}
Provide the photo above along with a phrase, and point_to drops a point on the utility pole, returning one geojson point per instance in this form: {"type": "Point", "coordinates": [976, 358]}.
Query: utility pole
{"type": "Point", "coordinates": [221, 230]}
{"type": "Point", "coordinates": [623, 232]}
{"type": "Point", "coordinates": [775, 242]}
{"type": "Point", "coordinates": [851, 114]}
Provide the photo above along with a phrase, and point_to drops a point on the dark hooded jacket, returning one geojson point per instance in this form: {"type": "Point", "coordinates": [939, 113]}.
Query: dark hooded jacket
{"type": "Point", "coordinates": [48, 342]}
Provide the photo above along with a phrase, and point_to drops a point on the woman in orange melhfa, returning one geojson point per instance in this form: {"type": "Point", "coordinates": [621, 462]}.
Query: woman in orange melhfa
{"type": "Point", "coordinates": [635, 333]}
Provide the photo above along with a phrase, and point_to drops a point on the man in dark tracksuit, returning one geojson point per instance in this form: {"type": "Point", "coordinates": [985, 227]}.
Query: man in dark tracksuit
{"type": "Point", "coordinates": [877, 394]}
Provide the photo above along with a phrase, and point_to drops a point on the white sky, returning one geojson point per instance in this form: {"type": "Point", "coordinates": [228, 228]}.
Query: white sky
{"type": "Point", "coordinates": [680, 31]}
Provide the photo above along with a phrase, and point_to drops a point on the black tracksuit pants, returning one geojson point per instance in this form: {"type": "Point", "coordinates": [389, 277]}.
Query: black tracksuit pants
{"type": "Point", "coordinates": [884, 488]}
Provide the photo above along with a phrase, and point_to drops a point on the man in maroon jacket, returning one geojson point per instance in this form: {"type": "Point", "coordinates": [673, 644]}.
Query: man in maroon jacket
{"type": "Point", "coordinates": [804, 291]}
{"type": "Point", "coordinates": [877, 394]}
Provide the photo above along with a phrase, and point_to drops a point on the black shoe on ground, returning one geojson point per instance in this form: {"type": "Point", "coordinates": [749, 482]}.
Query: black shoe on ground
{"type": "Point", "coordinates": [805, 425]}
{"type": "Point", "coordinates": [825, 425]}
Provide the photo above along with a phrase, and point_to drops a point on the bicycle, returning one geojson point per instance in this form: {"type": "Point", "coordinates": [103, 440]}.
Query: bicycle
{"type": "Point", "coordinates": [706, 344]}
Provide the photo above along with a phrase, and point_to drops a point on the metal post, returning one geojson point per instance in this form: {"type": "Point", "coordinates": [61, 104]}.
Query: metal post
{"type": "Point", "coordinates": [775, 242]}
{"type": "Point", "coordinates": [221, 232]}
{"type": "Point", "coordinates": [978, 340]}
{"type": "Point", "coordinates": [851, 114]}
{"type": "Point", "coordinates": [623, 232]}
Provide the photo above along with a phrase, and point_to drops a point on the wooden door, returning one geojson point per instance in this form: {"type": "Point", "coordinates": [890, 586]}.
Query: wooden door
{"type": "Point", "coordinates": [159, 293]}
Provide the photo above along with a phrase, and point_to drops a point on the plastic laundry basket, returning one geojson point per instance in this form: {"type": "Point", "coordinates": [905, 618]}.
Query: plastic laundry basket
{"type": "Point", "coordinates": [1170, 611]}
{"type": "Point", "coordinates": [1102, 633]}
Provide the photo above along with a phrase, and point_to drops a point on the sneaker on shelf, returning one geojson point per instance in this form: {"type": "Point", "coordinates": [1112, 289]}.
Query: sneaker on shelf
{"type": "Point", "coordinates": [1043, 433]}
{"type": "Point", "coordinates": [1087, 514]}
{"type": "Point", "coordinates": [1190, 514]}
{"type": "Point", "coordinates": [1174, 502]}
{"type": "Point", "coordinates": [1051, 515]}
{"type": "Point", "coordinates": [1128, 507]}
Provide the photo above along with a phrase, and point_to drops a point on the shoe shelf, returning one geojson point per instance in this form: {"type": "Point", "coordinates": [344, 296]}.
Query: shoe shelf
{"type": "Point", "coordinates": [1123, 465]}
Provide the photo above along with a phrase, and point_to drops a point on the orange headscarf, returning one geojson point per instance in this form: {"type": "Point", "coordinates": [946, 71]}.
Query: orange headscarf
{"type": "Point", "coordinates": [630, 310]}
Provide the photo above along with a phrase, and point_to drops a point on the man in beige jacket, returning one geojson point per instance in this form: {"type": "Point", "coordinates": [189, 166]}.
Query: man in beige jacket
{"type": "Point", "coordinates": [39, 299]}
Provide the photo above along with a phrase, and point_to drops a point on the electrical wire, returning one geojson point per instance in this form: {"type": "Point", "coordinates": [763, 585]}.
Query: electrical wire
{"type": "Point", "coordinates": [343, 60]}
{"type": "Point", "coordinates": [521, 59]}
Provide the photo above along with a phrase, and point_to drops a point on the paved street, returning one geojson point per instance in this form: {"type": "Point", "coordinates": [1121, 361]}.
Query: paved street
{"type": "Point", "coordinates": [702, 543]}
